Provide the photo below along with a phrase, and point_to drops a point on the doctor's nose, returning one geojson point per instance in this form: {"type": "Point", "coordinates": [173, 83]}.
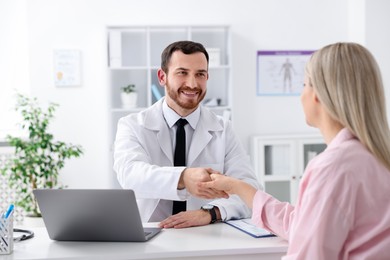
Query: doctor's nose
{"type": "Point", "coordinates": [191, 82]}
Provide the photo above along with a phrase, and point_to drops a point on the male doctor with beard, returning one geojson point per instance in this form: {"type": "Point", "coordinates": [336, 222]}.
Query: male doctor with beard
{"type": "Point", "coordinates": [145, 144]}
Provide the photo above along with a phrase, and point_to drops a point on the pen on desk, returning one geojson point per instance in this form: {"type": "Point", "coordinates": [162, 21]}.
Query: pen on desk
{"type": "Point", "coordinates": [9, 211]}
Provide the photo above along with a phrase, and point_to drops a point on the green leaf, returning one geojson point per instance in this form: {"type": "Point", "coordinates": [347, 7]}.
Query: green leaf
{"type": "Point", "coordinates": [37, 161]}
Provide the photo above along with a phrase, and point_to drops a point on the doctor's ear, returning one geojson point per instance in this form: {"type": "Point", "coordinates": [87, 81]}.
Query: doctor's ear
{"type": "Point", "coordinates": [162, 77]}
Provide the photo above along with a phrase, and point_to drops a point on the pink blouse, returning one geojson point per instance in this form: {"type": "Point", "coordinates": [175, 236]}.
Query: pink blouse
{"type": "Point", "coordinates": [343, 206]}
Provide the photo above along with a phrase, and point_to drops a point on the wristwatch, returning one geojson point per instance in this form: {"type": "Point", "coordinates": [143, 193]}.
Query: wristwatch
{"type": "Point", "coordinates": [211, 210]}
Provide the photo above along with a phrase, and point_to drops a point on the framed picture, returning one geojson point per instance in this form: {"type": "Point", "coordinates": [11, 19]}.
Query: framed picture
{"type": "Point", "coordinates": [66, 68]}
{"type": "Point", "coordinates": [281, 72]}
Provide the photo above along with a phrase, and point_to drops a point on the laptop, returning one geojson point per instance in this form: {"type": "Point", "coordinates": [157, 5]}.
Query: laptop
{"type": "Point", "coordinates": [92, 215]}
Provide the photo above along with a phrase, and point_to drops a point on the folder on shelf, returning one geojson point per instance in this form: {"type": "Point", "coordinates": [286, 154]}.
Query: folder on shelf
{"type": "Point", "coordinates": [246, 226]}
{"type": "Point", "coordinates": [115, 49]}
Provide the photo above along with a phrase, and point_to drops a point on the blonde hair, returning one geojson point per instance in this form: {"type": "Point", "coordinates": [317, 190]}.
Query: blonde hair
{"type": "Point", "coordinates": [348, 83]}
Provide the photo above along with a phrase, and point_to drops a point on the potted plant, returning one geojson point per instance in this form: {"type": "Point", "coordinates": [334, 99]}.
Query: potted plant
{"type": "Point", "coordinates": [38, 158]}
{"type": "Point", "coordinates": [129, 96]}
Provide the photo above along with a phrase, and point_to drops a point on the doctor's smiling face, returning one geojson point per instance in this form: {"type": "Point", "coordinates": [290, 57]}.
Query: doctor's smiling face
{"type": "Point", "coordinates": [185, 80]}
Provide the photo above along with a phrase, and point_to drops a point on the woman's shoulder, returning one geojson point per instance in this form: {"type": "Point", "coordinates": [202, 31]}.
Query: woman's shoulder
{"type": "Point", "coordinates": [349, 160]}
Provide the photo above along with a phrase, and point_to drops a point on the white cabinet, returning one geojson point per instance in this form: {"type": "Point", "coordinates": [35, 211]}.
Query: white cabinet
{"type": "Point", "coordinates": [134, 56]}
{"type": "Point", "coordinates": [279, 162]}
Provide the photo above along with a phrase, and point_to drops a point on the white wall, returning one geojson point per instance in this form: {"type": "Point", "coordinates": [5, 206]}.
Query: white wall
{"type": "Point", "coordinates": [14, 70]}
{"type": "Point", "coordinates": [378, 39]}
{"type": "Point", "coordinates": [256, 25]}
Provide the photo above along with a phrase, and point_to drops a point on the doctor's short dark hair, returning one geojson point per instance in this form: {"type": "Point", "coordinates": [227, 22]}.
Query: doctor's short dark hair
{"type": "Point", "coordinates": [187, 47]}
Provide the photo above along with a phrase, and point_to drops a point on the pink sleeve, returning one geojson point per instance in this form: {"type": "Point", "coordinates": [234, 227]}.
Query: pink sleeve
{"type": "Point", "coordinates": [320, 229]}
{"type": "Point", "coordinates": [271, 214]}
{"type": "Point", "coordinates": [317, 232]}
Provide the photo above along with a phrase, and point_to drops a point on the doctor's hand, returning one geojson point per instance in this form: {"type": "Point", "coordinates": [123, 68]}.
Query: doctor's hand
{"type": "Point", "coordinates": [184, 219]}
{"type": "Point", "coordinates": [192, 177]}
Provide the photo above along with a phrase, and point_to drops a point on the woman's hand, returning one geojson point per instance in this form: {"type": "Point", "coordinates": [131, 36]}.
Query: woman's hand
{"type": "Point", "coordinates": [220, 182]}
{"type": "Point", "coordinates": [231, 185]}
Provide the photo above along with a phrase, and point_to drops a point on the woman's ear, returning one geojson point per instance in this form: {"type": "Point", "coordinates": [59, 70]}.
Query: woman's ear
{"type": "Point", "coordinates": [315, 97]}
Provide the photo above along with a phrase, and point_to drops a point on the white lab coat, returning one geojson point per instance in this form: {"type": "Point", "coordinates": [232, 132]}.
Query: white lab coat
{"type": "Point", "coordinates": [143, 160]}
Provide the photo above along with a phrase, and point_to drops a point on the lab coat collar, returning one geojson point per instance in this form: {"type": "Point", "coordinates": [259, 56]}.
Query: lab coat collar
{"type": "Point", "coordinates": [171, 116]}
{"type": "Point", "coordinates": [154, 114]}
{"type": "Point", "coordinates": [208, 123]}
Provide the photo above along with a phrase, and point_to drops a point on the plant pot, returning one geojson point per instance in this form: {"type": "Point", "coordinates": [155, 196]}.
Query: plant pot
{"type": "Point", "coordinates": [129, 100]}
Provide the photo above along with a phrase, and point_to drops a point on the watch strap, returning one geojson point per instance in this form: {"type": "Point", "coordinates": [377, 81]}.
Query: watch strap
{"type": "Point", "coordinates": [212, 213]}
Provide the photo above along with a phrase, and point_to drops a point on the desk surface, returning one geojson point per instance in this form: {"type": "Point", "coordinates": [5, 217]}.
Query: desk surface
{"type": "Point", "coordinates": [217, 241]}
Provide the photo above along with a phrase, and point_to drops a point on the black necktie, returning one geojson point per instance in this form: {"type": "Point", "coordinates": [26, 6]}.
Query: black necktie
{"type": "Point", "coordinates": [180, 158]}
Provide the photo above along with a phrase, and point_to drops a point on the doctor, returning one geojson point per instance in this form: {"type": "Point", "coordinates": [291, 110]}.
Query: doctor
{"type": "Point", "coordinates": [145, 144]}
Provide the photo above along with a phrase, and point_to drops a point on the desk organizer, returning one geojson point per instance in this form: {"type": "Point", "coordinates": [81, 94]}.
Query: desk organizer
{"type": "Point", "coordinates": [6, 234]}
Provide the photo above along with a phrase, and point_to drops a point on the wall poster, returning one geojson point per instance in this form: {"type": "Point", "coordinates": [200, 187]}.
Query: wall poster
{"type": "Point", "coordinates": [281, 72]}
{"type": "Point", "coordinates": [67, 67]}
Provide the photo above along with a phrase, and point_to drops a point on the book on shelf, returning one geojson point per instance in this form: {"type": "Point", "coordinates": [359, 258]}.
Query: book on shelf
{"type": "Point", "coordinates": [115, 49]}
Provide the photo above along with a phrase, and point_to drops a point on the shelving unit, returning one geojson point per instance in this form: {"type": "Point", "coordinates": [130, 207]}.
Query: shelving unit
{"type": "Point", "coordinates": [134, 56]}
{"type": "Point", "coordinates": [280, 161]}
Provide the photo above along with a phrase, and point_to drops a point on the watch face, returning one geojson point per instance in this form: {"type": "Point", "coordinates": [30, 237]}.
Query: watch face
{"type": "Point", "coordinates": [207, 206]}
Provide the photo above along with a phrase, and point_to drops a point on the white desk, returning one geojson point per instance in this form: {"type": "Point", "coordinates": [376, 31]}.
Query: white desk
{"type": "Point", "coordinates": [218, 241]}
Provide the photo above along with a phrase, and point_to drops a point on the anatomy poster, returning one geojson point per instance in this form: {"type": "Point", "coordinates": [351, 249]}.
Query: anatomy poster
{"type": "Point", "coordinates": [281, 72]}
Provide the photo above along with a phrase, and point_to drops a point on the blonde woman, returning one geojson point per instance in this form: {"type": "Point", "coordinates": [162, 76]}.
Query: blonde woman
{"type": "Point", "coordinates": [343, 207]}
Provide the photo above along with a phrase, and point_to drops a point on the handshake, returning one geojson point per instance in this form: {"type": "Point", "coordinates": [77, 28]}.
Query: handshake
{"type": "Point", "coordinates": [207, 183]}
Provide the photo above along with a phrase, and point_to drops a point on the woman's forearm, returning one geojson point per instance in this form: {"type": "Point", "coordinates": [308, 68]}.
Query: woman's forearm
{"type": "Point", "coordinates": [245, 191]}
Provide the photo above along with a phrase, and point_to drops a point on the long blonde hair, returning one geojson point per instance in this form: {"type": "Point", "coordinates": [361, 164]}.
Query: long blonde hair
{"type": "Point", "coordinates": [348, 82]}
